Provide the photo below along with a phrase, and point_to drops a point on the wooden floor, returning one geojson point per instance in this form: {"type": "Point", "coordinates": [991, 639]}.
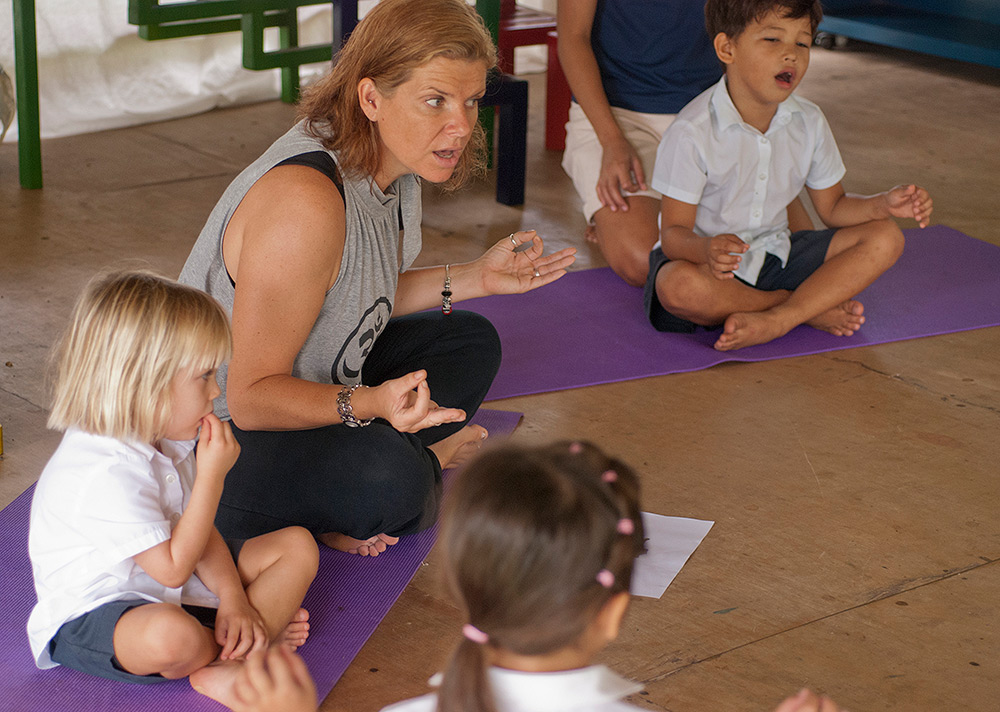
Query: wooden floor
{"type": "Point", "coordinates": [856, 494]}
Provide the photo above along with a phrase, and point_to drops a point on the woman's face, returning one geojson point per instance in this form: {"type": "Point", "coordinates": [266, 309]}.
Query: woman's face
{"type": "Point", "coordinates": [426, 122]}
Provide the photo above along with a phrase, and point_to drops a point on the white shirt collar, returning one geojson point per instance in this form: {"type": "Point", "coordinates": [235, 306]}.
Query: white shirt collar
{"type": "Point", "coordinates": [175, 450]}
{"type": "Point", "coordinates": [552, 691]}
{"type": "Point", "coordinates": [725, 114]}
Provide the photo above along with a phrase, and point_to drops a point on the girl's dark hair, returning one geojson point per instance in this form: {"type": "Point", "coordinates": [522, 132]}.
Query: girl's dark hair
{"type": "Point", "coordinates": [525, 534]}
{"type": "Point", "coordinates": [731, 17]}
{"type": "Point", "coordinates": [392, 40]}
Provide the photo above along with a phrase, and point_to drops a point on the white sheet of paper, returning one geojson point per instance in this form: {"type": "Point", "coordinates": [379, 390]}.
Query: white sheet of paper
{"type": "Point", "coordinates": [669, 543]}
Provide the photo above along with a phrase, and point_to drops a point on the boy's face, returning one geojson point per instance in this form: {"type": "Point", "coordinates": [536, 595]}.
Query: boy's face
{"type": "Point", "coordinates": [768, 59]}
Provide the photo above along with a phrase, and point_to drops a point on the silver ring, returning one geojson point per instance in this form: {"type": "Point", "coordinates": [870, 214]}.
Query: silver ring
{"type": "Point", "coordinates": [536, 273]}
{"type": "Point", "coordinates": [512, 240]}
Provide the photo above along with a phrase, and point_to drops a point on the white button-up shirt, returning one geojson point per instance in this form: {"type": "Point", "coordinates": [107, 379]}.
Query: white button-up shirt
{"type": "Point", "coordinates": [742, 180]}
{"type": "Point", "coordinates": [590, 689]}
{"type": "Point", "coordinates": [98, 503]}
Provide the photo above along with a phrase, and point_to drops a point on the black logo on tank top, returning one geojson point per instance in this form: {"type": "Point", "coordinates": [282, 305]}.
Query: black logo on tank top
{"type": "Point", "coordinates": [347, 366]}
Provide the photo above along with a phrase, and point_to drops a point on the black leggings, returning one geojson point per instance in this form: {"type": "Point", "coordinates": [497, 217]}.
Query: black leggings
{"type": "Point", "coordinates": [365, 481]}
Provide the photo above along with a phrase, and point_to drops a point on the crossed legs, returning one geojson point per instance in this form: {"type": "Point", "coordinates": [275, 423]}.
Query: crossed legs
{"type": "Point", "coordinates": [856, 256]}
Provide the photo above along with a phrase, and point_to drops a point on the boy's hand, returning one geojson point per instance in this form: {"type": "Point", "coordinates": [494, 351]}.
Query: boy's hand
{"type": "Point", "coordinates": [276, 679]}
{"type": "Point", "coordinates": [910, 201]}
{"type": "Point", "coordinates": [719, 255]}
{"type": "Point", "coordinates": [217, 448]}
{"type": "Point", "coordinates": [239, 629]}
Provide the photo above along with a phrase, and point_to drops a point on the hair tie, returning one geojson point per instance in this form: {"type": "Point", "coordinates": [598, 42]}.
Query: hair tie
{"type": "Point", "coordinates": [575, 448]}
{"type": "Point", "coordinates": [605, 578]}
{"type": "Point", "coordinates": [626, 526]}
{"type": "Point", "coordinates": [609, 476]}
{"type": "Point", "coordinates": [474, 634]}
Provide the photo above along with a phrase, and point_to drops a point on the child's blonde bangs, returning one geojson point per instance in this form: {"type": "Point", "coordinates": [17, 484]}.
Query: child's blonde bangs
{"type": "Point", "coordinates": [130, 334]}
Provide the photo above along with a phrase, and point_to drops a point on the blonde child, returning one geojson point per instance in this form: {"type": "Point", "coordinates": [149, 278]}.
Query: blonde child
{"type": "Point", "coordinates": [134, 583]}
{"type": "Point", "coordinates": [538, 545]}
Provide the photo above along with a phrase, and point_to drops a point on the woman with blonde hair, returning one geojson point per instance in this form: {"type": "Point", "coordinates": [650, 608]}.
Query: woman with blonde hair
{"type": "Point", "coordinates": [346, 395]}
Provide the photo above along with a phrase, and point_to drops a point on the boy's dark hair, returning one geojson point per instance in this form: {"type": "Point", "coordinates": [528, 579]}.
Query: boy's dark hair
{"type": "Point", "coordinates": [731, 17]}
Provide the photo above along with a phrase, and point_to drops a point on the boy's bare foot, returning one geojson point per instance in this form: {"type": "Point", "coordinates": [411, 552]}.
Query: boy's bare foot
{"type": "Point", "coordinates": [842, 320]}
{"type": "Point", "coordinates": [459, 447]}
{"type": "Point", "coordinates": [216, 681]}
{"type": "Point", "coordinates": [590, 233]}
{"type": "Point", "coordinates": [296, 632]}
{"type": "Point", "coordinates": [363, 547]}
{"type": "Point", "coordinates": [748, 329]}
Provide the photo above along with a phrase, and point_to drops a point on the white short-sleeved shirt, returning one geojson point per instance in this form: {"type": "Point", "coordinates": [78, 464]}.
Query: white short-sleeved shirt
{"type": "Point", "coordinates": [589, 689]}
{"type": "Point", "coordinates": [742, 180]}
{"type": "Point", "coordinates": [98, 503]}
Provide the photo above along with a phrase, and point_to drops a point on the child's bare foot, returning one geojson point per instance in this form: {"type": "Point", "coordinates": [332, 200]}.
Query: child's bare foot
{"type": "Point", "coordinates": [842, 320]}
{"type": "Point", "coordinates": [296, 632]}
{"type": "Point", "coordinates": [590, 233]}
{"type": "Point", "coordinates": [749, 328]}
{"type": "Point", "coordinates": [216, 681]}
{"type": "Point", "coordinates": [362, 547]}
{"type": "Point", "coordinates": [459, 447]}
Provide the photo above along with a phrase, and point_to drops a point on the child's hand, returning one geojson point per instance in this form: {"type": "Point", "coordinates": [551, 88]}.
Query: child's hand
{"type": "Point", "coordinates": [275, 680]}
{"type": "Point", "coordinates": [807, 701]}
{"type": "Point", "coordinates": [910, 201]}
{"type": "Point", "coordinates": [217, 448]}
{"type": "Point", "coordinates": [719, 255]}
{"type": "Point", "coordinates": [239, 629]}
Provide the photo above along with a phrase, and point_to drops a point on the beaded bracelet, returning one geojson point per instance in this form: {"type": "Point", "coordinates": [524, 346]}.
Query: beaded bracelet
{"type": "Point", "coordinates": [446, 292]}
{"type": "Point", "coordinates": [346, 412]}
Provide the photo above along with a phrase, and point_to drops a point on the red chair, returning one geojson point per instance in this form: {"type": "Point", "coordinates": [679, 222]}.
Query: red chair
{"type": "Point", "coordinates": [521, 27]}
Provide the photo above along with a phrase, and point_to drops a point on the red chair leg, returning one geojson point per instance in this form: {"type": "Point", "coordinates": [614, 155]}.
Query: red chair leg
{"type": "Point", "coordinates": [557, 99]}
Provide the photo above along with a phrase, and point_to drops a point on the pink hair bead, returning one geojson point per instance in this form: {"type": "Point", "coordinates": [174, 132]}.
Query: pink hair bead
{"type": "Point", "coordinates": [474, 634]}
{"type": "Point", "coordinates": [609, 476]}
{"type": "Point", "coordinates": [605, 578]}
{"type": "Point", "coordinates": [626, 526]}
{"type": "Point", "coordinates": [575, 448]}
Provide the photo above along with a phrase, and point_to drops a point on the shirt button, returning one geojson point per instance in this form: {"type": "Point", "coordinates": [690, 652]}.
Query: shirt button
{"type": "Point", "coordinates": [756, 213]}
{"type": "Point", "coordinates": [171, 479]}
{"type": "Point", "coordinates": [175, 517]}
{"type": "Point", "coordinates": [763, 139]}
{"type": "Point", "coordinates": [762, 176]}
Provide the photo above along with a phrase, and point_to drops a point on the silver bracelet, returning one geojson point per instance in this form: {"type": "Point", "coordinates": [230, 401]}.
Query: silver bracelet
{"type": "Point", "coordinates": [345, 410]}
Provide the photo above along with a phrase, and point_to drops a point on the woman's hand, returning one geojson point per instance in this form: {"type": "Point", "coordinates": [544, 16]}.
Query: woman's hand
{"type": "Point", "coordinates": [621, 172]}
{"type": "Point", "coordinates": [406, 403]}
{"type": "Point", "coordinates": [510, 267]}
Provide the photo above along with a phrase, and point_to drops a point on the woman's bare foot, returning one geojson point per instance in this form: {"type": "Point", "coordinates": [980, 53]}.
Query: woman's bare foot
{"type": "Point", "coordinates": [842, 320]}
{"type": "Point", "coordinates": [216, 681]}
{"type": "Point", "coordinates": [296, 632]}
{"type": "Point", "coordinates": [459, 447]}
{"type": "Point", "coordinates": [362, 547]}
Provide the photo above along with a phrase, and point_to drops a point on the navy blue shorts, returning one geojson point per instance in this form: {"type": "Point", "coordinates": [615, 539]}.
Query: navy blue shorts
{"type": "Point", "coordinates": [809, 248]}
{"type": "Point", "coordinates": [87, 643]}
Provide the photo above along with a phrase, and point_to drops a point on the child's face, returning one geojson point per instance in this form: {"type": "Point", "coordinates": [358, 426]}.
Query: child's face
{"type": "Point", "coordinates": [191, 396]}
{"type": "Point", "coordinates": [767, 61]}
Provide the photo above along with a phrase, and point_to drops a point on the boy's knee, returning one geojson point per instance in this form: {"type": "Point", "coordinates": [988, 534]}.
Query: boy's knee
{"type": "Point", "coordinates": [889, 240]}
{"type": "Point", "coordinates": [632, 266]}
{"type": "Point", "coordinates": [679, 286]}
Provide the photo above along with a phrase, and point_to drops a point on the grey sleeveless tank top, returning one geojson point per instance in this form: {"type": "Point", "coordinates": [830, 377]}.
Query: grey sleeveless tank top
{"type": "Point", "coordinates": [359, 304]}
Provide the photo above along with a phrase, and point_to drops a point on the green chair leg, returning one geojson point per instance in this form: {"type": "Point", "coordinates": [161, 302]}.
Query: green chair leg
{"type": "Point", "coordinates": [29, 144]}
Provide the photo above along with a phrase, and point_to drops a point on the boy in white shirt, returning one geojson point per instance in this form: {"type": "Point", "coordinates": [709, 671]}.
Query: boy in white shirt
{"type": "Point", "coordinates": [728, 167]}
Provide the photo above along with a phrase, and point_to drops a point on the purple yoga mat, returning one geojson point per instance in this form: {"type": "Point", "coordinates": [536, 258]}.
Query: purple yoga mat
{"type": "Point", "coordinates": [346, 602]}
{"type": "Point", "coordinates": [589, 327]}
